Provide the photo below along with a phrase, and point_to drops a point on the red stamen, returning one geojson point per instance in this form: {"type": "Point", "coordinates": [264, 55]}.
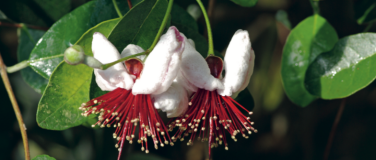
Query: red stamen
{"type": "Point", "coordinates": [209, 110]}
{"type": "Point", "coordinates": [214, 114]}
{"type": "Point", "coordinates": [125, 111]}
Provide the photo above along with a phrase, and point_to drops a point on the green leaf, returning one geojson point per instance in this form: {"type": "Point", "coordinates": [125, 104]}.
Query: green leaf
{"type": "Point", "coordinates": [365, 11]}
{"type": "Point", "coordinates": [105, 28]}
{"type": "Point", "coordinates": [245, 3]}
{"type": "Point", "coordinates": [180, 18]}
{"type": "Point", "coordinates": [65, 33]}
{"type": "Point", "coordinates": [55, 9]}
{"type": "Point", "coordinates": [307, 40]}
{"type": "Point", "coordinates": [140, 25]}
{"type": "Point", "coordinates": [43, 157]}
{"type": "Point", "coordinates": [67, 89]}
{"type": "Point", "coordinates": [105, 10]}
{"type": "Point", "coordinates": [27, 40]}
{"type": "Point", "coordinates": [347, 68]}
{"type": "Point", "coordinates": [60, 36]}
{"type": "Point", "coordinates": [58, 108]}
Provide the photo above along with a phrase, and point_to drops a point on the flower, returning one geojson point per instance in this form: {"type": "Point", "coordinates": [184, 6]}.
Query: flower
{"type": "Point", "coordinates": [131, 84]}
{"type": "Point", "coordinates": [211, 111]}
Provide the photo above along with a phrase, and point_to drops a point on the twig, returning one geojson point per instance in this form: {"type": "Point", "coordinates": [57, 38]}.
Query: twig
{"type": "Point", "coordinates": [129, 4]}
{"type": "Point", "coordinates": [16, 109]}
{"type": "Point", "coordinates": [19, 25]}
{"type": "Point", "coordinates": [334, 128]}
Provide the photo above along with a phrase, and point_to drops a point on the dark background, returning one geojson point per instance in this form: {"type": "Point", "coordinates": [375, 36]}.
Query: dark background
{"type": "Point", "coordinates": [285, 131]}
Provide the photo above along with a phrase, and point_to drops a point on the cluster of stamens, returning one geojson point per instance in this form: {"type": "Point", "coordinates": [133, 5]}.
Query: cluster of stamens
{"type": "Point", "coordinates": [125, 111]}
{"type": "Point", "coordinates": [210, 114]}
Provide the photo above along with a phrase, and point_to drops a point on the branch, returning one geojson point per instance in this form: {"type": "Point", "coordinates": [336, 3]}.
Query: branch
{"type": "Point", "coordinates": [16, 109]}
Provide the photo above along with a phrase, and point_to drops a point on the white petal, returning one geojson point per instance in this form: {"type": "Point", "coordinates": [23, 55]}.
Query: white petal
{"type": "Point", "coordinates": [192, 43]}
{"type": "Point", "coordinates": [174, 101]}
{"type": "Point", "coordinates": [115, 76]}
{"type": "Point", "coordinates": [238, 63]}
{"type": "Point", "coordinates": [162, 65]}
{"type": "Point", "coordinates": [132, 49]}
{"type": "Point", "coordinates": [196, 71]}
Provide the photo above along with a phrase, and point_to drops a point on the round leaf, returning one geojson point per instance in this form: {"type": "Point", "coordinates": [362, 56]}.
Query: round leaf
{"type": "Point", "coordinates": [27, 40]}
{"type": "Point", "coordinates": [307, 40]}
{"type": "Point", "coordinates": [349, 67]}
{"type": "Point", "coordinates": [43, 157]}
{"type": "Point", "coordinates": [69, 87]}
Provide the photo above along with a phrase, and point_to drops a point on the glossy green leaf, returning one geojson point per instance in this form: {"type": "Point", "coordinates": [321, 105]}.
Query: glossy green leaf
{"type": "Point", "coordinates": [60, 36]}
{"type": "Point", "coordinates": [58, 108]}
{"type": "Point", "coordinates": [43, 157]}
{"type": "Point", "coordinates": [27, 40]}
{"type": "Point", "coordinates": [245, 3]}
{"type": "Point", "coordinates": [180, 18]}
{"type": "Point", "coordinates": [67, 89]}
{"type": "Point", "coordinates": [349, 67]}
{"type": "Point", "coordinates": [65, 33]}
{"type": "Point", "coordinates": [365, 11]}
{"type": "Point", "coordinates": [140, 25]}
{"type": "Point", "coordinates": [105, 10]}
{"type": "Point", "coordinates": [105, 28]}
{"type": "Point", "coordinates": [307, 40]}
{"type": "Point", "coordinates": [55, 9]}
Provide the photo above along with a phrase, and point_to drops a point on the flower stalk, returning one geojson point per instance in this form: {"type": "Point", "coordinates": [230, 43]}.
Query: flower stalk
{"type": "Point", "coordinates": [117, 8]}
{"type": "Point", "coordinates": [207, 21]}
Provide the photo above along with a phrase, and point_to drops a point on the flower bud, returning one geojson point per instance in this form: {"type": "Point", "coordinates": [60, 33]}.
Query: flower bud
{"type": "Point", "coordinates": [74, 55]}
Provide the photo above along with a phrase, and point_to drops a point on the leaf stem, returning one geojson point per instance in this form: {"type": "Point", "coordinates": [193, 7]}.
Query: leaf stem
{"type": "Point", "coordinates": [19, 25]}
{"type": "Point", "coordinates": [315, 6]}
{"type": "Point", "coordinates": [207, 21]}
{"type": "Point", "coordinates": [334, 128]}
{"type": "Point", "coordinates": [105, 66]}
{"type": "Point", "coordinates": [16, 109]}
{"type": "Point", "coordinates": [163, 25]}
{"type": "Point", "coordinates": [26, 63]}
{"type": "Point", "coordinates": [129, 4]}
{"type": "Point", "coordinates": [117, 8]}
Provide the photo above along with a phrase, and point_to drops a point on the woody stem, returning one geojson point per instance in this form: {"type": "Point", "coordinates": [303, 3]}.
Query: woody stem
{"type": "Point", "coordinates": [207, 21]}
{"type": "Point", "coordinates": [16, 109]}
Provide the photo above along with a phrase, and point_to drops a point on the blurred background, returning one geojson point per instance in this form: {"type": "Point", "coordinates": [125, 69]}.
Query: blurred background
{"type": "Point", "coordinates": [285, 131]}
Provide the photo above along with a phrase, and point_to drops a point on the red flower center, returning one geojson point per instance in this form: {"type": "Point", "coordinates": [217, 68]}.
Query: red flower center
{"type": "Point", "coordinates": [125, 111]}
{"type": "Point", "coordinates": [210, 114]}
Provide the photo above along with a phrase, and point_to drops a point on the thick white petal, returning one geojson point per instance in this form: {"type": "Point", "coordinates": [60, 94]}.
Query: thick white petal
{"type": "Point", "coordinates": [162, 65]}
{"type": "Point", "coordinates": [238, 62]}
{"type": "Point", "coordinates": [174, 101]}
{"type": "Point", "coordinates": [132, 49]}
{"type": "Point", "coordinates": [115, 76]}
{"type": "Point", "coordinates": [196, 71]}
